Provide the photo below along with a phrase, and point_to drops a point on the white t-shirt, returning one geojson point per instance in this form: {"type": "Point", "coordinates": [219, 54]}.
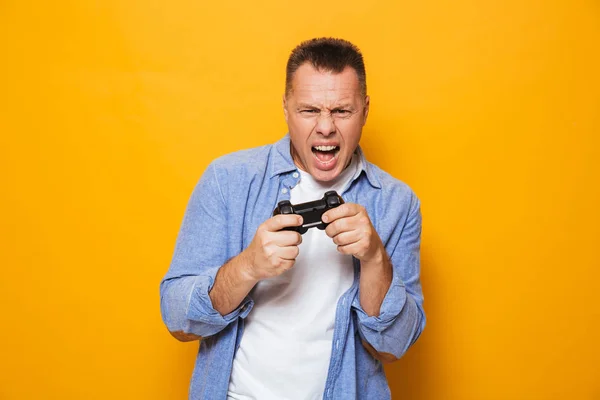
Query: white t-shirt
{"type": "Point", "coordinates": [285, 349]}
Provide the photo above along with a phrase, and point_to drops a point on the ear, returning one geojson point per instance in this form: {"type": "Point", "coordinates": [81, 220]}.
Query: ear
{"type": "Point", "coordinates": [285, 111]}
{"type": "Point", "coordinates": [366, 110]}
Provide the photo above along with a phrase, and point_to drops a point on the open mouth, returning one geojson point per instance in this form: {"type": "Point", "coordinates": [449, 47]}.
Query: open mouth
{"type": "Point", "coordinates": [325, 154]}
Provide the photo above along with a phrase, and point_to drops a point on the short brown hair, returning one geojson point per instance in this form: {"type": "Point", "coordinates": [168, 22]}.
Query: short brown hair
{"type": "Point", "coordinates": [327, 54]}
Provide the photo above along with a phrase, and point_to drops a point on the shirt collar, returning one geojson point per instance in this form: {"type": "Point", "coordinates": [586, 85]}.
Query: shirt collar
{"type": "Point", "coordinates": [282, 161]}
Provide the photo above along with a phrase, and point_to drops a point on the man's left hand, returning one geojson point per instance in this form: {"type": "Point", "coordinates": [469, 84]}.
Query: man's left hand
{"type": "Point", "coordinates": [352, 231]}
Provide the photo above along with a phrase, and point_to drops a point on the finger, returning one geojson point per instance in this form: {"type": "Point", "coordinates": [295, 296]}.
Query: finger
{"type": "Point", "coordinates": [343, 224]}
{"type": "Point", "coordinates": [285, 265]}
{"type": "Point", "coordinates": [345, 210]}
{"type": "Point", "coordinates": [346, 238]}
{"type": "Point", "coordinates": [286, 238]}
{"type": "Point", "coordinates": [278, 222]}
{"type": "Point", "coordinates": [289, 252]}
{"type": "Point", "coordinates": [351, 249]}
{"type": "Point", "coordinates": [281, 264]}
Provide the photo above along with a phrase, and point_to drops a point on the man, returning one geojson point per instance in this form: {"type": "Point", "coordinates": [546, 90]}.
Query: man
{"type": "Point", "coordinates": [287, 316]}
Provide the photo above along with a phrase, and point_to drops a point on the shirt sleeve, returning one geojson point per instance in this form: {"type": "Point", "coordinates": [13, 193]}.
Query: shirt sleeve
{"type": "Point", "coordinates": [201, 249]}
{"type": "Point", "coordinates": [401, 318]}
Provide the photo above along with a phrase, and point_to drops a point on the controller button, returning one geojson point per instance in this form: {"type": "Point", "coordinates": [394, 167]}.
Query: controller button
{"type": "Point", "coordinates": [333, 201]}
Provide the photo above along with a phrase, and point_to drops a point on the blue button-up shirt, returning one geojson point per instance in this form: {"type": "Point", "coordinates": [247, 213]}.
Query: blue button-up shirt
{"type": "Point", "coordinates": [236, 194]}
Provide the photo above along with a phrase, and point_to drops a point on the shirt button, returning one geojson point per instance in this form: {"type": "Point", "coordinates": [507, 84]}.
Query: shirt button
{"type": "Point", "coordinates": [284, 191]}
{"type": "Point", "coordinates": [295, 175]}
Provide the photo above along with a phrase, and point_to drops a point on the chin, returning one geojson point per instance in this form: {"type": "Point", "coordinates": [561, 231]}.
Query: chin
{"type": "Point", "coordinates": [325, 176]}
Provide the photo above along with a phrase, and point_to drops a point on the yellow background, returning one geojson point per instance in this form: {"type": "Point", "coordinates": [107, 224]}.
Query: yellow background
{"type": "Point", "coordinates": [111, 110]}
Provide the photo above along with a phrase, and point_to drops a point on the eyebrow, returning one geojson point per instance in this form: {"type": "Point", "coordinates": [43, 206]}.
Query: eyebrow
{"type": "Point", "coordinates": [306, 105]}
{"type": "Point", "coordinates": [342, 106]}
{"type": "Point", "coordinates": [338, 107]}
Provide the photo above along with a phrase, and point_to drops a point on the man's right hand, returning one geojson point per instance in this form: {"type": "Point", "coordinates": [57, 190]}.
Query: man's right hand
{"type": "Point", "coordinates": [273, 250]}
{"type": "Point", "coordinates": [271, 253]}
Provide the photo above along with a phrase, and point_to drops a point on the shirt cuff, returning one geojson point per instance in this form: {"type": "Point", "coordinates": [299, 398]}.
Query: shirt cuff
{"type": "Point", "coordinates": [392, 304]}
{"type": "Point", "coordinates": [200, 307]}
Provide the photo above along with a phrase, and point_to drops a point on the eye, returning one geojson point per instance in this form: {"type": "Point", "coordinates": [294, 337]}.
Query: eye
{"type": "Point", "coordinates": [309, 111]}
{"type": "Point", "coordinates": [340, 112]}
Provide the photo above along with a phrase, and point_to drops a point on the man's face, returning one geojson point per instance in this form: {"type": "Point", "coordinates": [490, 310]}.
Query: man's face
{"type": "Point", "coordinates": [325, 113]}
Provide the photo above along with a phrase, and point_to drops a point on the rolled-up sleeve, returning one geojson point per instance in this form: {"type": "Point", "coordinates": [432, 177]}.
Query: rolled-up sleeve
{"type": "Point", "coordinates": [201, 249]}
{"type": "Point", "coordinates": [401, 318]}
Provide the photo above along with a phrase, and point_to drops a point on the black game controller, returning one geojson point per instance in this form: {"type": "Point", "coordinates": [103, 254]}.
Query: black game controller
{"type": "Point", "coordinates": [310, 212]}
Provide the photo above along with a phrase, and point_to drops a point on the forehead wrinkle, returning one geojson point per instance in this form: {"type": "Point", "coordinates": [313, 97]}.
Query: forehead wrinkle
{"type": "Point", "coordinates": [325, 85]}
{"type": "Point", "coordinates": [327, 97]}
{"type": "Point", "coordinates": [324, 89]}
{"type": "Point", "coordinates": [325, 105]}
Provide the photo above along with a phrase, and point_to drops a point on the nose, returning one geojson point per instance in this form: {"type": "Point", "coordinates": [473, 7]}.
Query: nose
{"type": "Point", "coordinates": [325, 124]}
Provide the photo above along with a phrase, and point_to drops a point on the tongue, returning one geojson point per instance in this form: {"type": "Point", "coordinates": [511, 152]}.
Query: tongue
{"type": "Point", "coordinates": [325, 156]}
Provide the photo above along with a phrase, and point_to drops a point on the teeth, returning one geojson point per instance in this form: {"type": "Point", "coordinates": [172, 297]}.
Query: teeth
{"type": "Point", "coordinates": [325, 148]}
